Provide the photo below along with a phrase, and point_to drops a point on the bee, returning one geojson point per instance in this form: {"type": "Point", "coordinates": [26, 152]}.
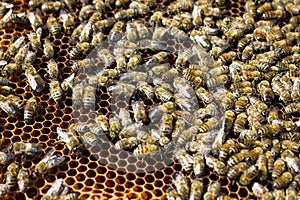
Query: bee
{"type": "Point", "coordinates": [248, 175]}
{"type": "Point", "coordinates": [101, 25]}
{"type": "Point", "coordinates": [30, 109]}
{"type": "Point", "coordinates": [166, 124]}
{"type": "Point", "coordinates": [185, 159]}
{"type": "Point", "coordinates": [90, 138]}
{"type": "Point", "coordinates": [147, 89]}
{"type": "Point", "coordinates": [16, 45]}
{"type": "Point", "coordinates": [196, 189]}
{"type": "Point", "coordinates": [270, 129]}
{"type": "Point", "coordinates": [77, 94]}
{"type": "Point", "coordinates": [270, 159]}
{"type": "Point", "coordinates": [227, 57]}
{"type": "Point", "coordinates": [55, 90]}
{"type": "Point", "coordinates": [181, 85]}
{"type": "Point", "coordinates": [186, 136]}
{"type": "Point", "coordinates": [56, 190]}
{"type": "Point", "coordinates": [26, 148]}
{"type": "Point", "coordinates": [134, 61]}
{"type": "Point", "coordinates": [85, 34]}
{"type": "Point", "coordinates": [23, 179]}
{"type": "Point", "coordinates": [182, 185]}
{"type": "Point", "coordinates": [145, 149]}
{"type": "Point", "coordinates": [283, 180]}
{"type": "Point", "coordinates": [80, 50]}
{"type": "Point", "coordinates": [85, 12]}
{"type": "Point", "coordinates": [97, 39]}
{"type": "Point", "coordinates": [292, 8]}
{"type": "Point", "coordinates": [178, 128]}
{"type": "Point", "coordinates": [52, 69]}
{"type": "Point", "coordinates": [144, 137]}
{"type": "Point", "coordinates": [265, 91]}
{"type": "Point", "coordinates": [48, 49]}
{"type": "Point", "coordinates": [218, 80]}
{"type": "Point", "coordinates": [52, 6]}
{"type": "Point", "coordinates": [53, 26]}
{"type": "Point", "coordinates": [209, 110]}
{"type": "Point", "coordinates": [258, 189]}
{"type": "Point", "coordinates": [69, 138]}
{"type": "Point", "coordinates": [213, 191]}
{"type": "Point", "coordinates": [273, 14]}
{"type": "Point", "coordinates": [11, 175]}
{"type": "Point", "coordinates": [95, 129]}
{"type": "Point", "coordinates": [126, 14]}
{"type": "Point", "coordinates": [34, 79]}
{"type": "Point", "coordinates": [262, 165]}
{"type": "Point", "coordinates": [160, 57]}
{"type": "Point", "coordinates": [291, 193]}
{"type": "Point", "coordinates": [68, 21]}
{"type": "Point", "coordinates": [142, 9]}
{"type": "Point", "coordinates": [67, 83]}
{"type": "Point", "coordinates": [35, 20]}
{"type": "Point", "coordinates": [296, 182]}
{"type": "Point", "coordinates": [16, 101]}
{"type": "Point", "coordinates": [21, 55]}
{"type": "Point", "coordinates": [70, 196]}
{"type": "Point", "coordinates": [204, 95]}
{"type": "Point", "coordinates": [280, 90]}
{"type": "Point", "coordinates": [163, 94]}
{"type": "Point", "coordinates": [35, 39]}
{"type": "Point", "coordinates": [279, 168]}
{"type": "Point", "coordinates": [209, 125]}
{"type": "Point", "coordinates": [102, 122]}
{"type": "Point", "coordinates": [235, 170]}
{"type": "Point", "coordinates": [156, 18]}
{"type": "Point", "coordinates": [292, 108]}
{"type": "Point", "coordinates": [89, 97]}
{"type": "Point", "coordinates": [228, 120]}
{"type": "Point", "coordinates": [293, 164]}
{"type": "Point", "coordinates": [172, 194]}
{"type": "Point", "coordinates": [198, 165]}
{"type": "Point", "coordinates": [237, 157]}
{"type": "Point", "coordinates": [241, 104]}
{"type": "Point", "coordinates": [224, 151]}
{"type": "Point", "coordinates": [215, 164]}
{"type": "Point", "coordinates": [264, 8]}
{"type": "Point", "coordinates": [261, 106]}
{"type": "Point", "coordinates": [114, 125]}
{"type": "Point", "coordinates": [139, 112]}
{"type": "Point", "coordinates": [6, 157]}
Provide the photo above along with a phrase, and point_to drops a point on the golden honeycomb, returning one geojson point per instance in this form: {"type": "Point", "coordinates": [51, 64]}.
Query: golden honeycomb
{"type": "Point", "coordinates": [103, 172]}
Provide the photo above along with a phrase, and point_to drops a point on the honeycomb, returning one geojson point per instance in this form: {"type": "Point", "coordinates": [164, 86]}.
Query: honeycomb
{"type": "Point", "coordinates": [102, 172]}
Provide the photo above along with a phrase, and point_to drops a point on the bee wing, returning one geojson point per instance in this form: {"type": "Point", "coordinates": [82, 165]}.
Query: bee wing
{"type": "Point", "coordinates": [7, 5]}
{"type": "Point", "coordinates": [49, 153]}
{"type": "Point", "coordinates": [7, 107]}
{"type": "Point", "coordinates": [31, 17]}
{"type": "Point", "coordinates": [32, 82]}
{"type": "Point", "coordinates": [56, 187]}
{"type": "Point", "coordinates": [7, 15]}
{"type": "Point", "coordinates": [63, 15]}
{"type": "Point", "coordinates": [39, 32]}
{"type": "Point", "coordinates": [70, 80]}
{"type": "Point", "coordinates": [3, 63]}
{"type": "Point", "coordinates": [55, 160]}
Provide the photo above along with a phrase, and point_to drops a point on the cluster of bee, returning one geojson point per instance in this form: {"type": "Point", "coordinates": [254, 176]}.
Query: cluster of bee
{"type": "Point", "coordinates": [15, 176]}
{"type": "Point", "coordinates": [215, 106]}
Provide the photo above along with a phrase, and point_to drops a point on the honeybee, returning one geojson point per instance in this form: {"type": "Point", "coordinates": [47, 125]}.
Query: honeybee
{"type": "Point", "coordinates": [292, 108]}
{"type": "Point", "coordinates": [204, 95]}
{"type": "Point", "coordinates": [283, 180]}
{"type": "Point", "coordinates": [52, 6]}
{"type": "Point", "coordinates": [89, 97]}
{"type": "Point", "coordinates": [235, 170]}
{"type": "Point", "coordinates": [182, 185]}
{"type": "Point", "coordinates": [144, 137]}
{"type": "Point", "coordinates": [95, 129]}
{"type": "Point", "coordinates": [273, 14]}
{"type": "Point", "coordinates": [85, 33]}
{"type": "Point", "coordinates": [35, 39]}
{"type": "Point", "coordinates": [209, 110]}
{"type": "Point", "coordinates": [142, 9]}
{"type": "Point", "coordinates": [23, 179]}
{"type": "Point", "coordinates": [70, 196]}
{"type": "Point", "coordinates": [55, 90]}
{"type": "Point", "coordinates": [270, 159]}
{"type": "Point", "coordinates": [114, 125]}
{"type": "Point", "coordinates": [34, 79]}
{"type": "Point", "coordinates": [198, 165]}
{"type": "Point", "coordinates": [160, 57]}
{"type": "Point", "coordinates": [80, 50]}
{"type": "Point", "coordinates": [237, 157]}
{"type": "Point", "coordinates": [213, 191]}
{"type": "Point", "coordinates": [97, 39]}
{"type": "Point", "coordinates": [101, 25]}
{"type": "Point", "coordinates": [280, 90]}
{"type": "Point", "coordinates": [11, 175]}
{"type": "Point", "coordinates": [172, 194]}
{"type": "Point", "coordinates": [21, 55]}
{"type": "Point", "coordinates": [52, 69]}
{"type": "Point", "coordinates": [216, 81]}
{"type": "Point", "coordinates": [16, 45]}
{"type": "Point", "coordinates": [292, 8]}
{"type": "Point", "coordinates": [248, 175]}
{"type": "Point", "coordinates": [293, 164]}
{"type": "Point", "coordinates": [8, 106]}
{"type": "Point", "coordinates": [134, 61]}
{"type": "Point", "coordinates": [68, 21]}
{"type": "Point", "coordinates": [196, 189]}
{"type": "Point", "coordinates": [228, 120]}
{"type": "Point", "coordinates": [156, 18]}
{"type": "Point", "coordinates": [30, 108]}
{"type": "Point", "coordinates": [185, 159]}
{"type": "Point", "coordinates": [35, 20]}
{"type": "Point", "coordinates": [178, 128]}
{"type": "Point", "coordinates": [181, 85]}
{"type": "Point", "coordinates": [126, 14]}
{"type": "Point", "coordinates": [145, 149]}
{"type": "Point", "coordinates": [53, 26]}
{"type": "Point", "coordinates": [147, 89]}
{"type": "Point", "coordinates": [224, 150]}
{"type": "Point", "coordinates": [67, 83]}
{"type": "Point", "coordinates": [216, 165]}
{"type": "Point", "coordinates": [85, 12]}
{"type": "Point", "coordinates": [186, 136]}
{"type": "Point", "coordinates": [166, 124]}
{"type": "Point", "coordinates": [56, 190]}
{"type": "Point", "coordinates": [139, 112]}
{"type": "Point", "coordinates": [296, 182]}
{"type": "Point", "coordinates": [279, 168]}
{"type": "Point", "coordinates": [48, 49]}
{"type": "Point", "coordinates": [90, 138]}
{"type": "Point", "coordinates": [258, 189]}
{"type": "Point", "coordinates": [209, 125]}
{"type": "Point", "coordinates": [77, 94]}
{"type": "Point", "coordinates": [163, 94]}
{"type": "Point", "coordinates": [69, 138]}
{"type": "Point", "coordinates": [265, 91]}
{"type": "Point", "coordinates": [102, 122]}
